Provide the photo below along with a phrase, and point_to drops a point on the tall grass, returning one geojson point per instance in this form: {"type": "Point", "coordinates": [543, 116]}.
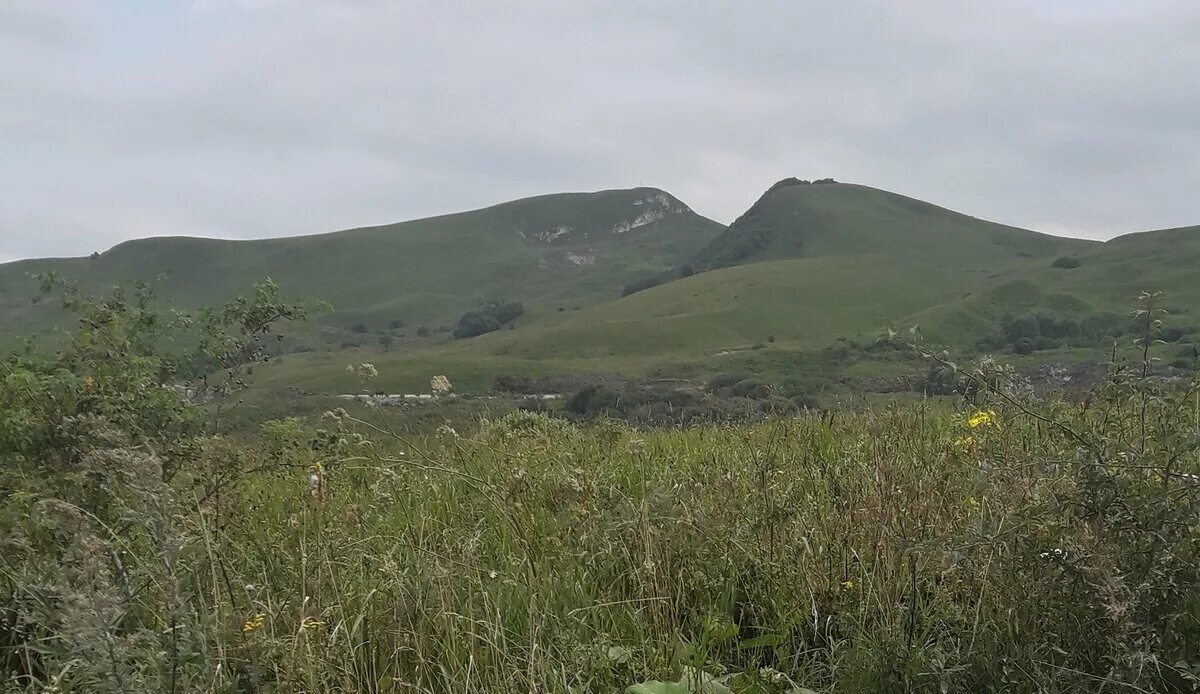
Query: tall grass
{"type": "Point", "coordinates": [892, 550]}
{"type": "Point", "coordinates": [1005, 544]}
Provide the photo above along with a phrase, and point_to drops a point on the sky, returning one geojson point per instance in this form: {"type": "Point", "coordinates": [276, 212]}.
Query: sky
{"type": "Point", "coordinates": [122, 119]}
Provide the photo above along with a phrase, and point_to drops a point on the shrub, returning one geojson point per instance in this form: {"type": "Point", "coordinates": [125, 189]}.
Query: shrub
{"type": "Point", "coordinates": [526, 424]}
{"type": "Point", "coordinates": [941, 380]}
{"type": "Point", "coordinates": [750, 388]}
{"type": "Point", "coordinates": [107, 467]}
{"type": "Point", "coordinates": [724, 381]}
{"type": "Point", "coordinates": [805, 402]}
{"type": "Point", "coordinates": [592, 399]}
{"type": "Point", "coordinates": [359, 328]}
{"type": "Point", "coordinates": [641, 284]}
{"type": "Point", "coordinates": [505, 383]}
{"type": "Point", "coordinates": [1066, 262]}
{"type": "Point", "coordinates": [1023, 345]}
{"type": "Point", "coordinates": [792, 387]}
{"type": "Point", "coordinates": [1172, 333]}
{"type": "Point", "coordinates": [491, 317]}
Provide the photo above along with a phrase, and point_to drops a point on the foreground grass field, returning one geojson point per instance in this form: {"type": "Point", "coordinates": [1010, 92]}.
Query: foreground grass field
{"type": "Point", "coordinates": [894, 550]}
{"type": "Point", "coordinates": [994, 542]}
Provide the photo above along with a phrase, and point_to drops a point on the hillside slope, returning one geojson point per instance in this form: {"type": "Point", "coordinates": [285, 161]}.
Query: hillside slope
{"type": "Point", "coordinates": [809, 263]}
{"type": "Point", "coordinates": [573, 248]}
{"type": "Point", "coordinates": [1106, 281]}
{"type": "Point", "coordinates": [795, 219]}
{"type": "Point", "coordinates": [828, 262]}
{"type": "Point", "coordinates": [809, 266]}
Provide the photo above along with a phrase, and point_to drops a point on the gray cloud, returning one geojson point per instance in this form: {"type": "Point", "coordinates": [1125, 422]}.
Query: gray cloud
{"type": "Point", "coordinates": [273, 117]}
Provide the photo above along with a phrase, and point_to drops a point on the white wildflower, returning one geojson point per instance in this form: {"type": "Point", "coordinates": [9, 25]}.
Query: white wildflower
{"type": "Point", "coordinates": [771, 675]}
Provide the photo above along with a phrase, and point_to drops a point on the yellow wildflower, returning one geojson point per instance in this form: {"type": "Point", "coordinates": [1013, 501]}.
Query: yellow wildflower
{"type": "Point", "coordinates": [88, 383]}
{"type": "Point", "coordinates": [965, 442]}
{"type": "Point", "coordinates": [848, 584]}
{"type": "Point", "coordinates": [981, 418]}
{"type": "Point", "coordinates": [254, 623]}
{"type": "Point", "coordinates": [311, 624]}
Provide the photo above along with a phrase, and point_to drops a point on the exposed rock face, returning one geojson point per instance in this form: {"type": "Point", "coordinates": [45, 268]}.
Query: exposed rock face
{"type": "Point", "coordinates": [655, 207]}
{"type": "Point", "coordinates": [581, 259]}
{"type": "Point", "coordinates": [553, 234]}
{"type": "Point", "coordinates": [645, 211]}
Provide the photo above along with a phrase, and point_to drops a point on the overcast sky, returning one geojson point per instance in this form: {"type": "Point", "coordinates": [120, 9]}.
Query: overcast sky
{"type": "Point", "coordinates": [250, 118]}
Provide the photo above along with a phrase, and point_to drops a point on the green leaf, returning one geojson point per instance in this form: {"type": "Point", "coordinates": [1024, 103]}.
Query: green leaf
{"type": "Point", "coordinates": [619, 654]}
{"type": "Point", "coordinates": [701, 681]}
{"type": "Point", "coordinates": [764, 641]}
{"type": "Point", "coordinates": [657, 687]}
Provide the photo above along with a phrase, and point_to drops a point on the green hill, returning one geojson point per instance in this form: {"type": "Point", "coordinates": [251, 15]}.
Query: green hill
{"type": "Point", "coordinates": [1102, 280]}
{"type": "Point", "coordinates": [807, 269]}
{"type": "Point", "coordinates": [795, 219]}
{"type": "Point", "coordinates": [808, 263]}
{"type": "Point", "coordinates": [827, 263]}
{"type": "Point", "coordinates": [547, 251]}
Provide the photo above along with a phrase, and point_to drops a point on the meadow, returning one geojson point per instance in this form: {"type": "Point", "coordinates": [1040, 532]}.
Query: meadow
{"type": "Point", "coordinates": [992, 541]}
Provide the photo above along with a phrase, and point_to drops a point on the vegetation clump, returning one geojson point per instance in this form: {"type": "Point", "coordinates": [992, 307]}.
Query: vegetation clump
{"type": "Point", "coordinates": [489, 318]}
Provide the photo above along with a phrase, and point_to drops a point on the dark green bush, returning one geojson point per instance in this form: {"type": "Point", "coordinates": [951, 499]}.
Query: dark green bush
{"type": "Point", "coordinates": [642, 284]}
{"type": "Point", "coordinates": [750, 388]}
{"type": "Point", "coordinates": [491, 317]}
{"type": "Point", "coordinates": [505, 383]}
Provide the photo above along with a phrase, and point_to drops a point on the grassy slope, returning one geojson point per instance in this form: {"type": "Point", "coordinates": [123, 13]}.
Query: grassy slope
{"type": "Point", "coordinates": [424, 271]}
{"type": "Point", "coordinates": [1109, 278]}
{"type": "Point", "coordinates": [840, 261]}
{"type": "Point", "coordinates": [828, 261]}
{"type": "Point", "coordinates": [846, 219]}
